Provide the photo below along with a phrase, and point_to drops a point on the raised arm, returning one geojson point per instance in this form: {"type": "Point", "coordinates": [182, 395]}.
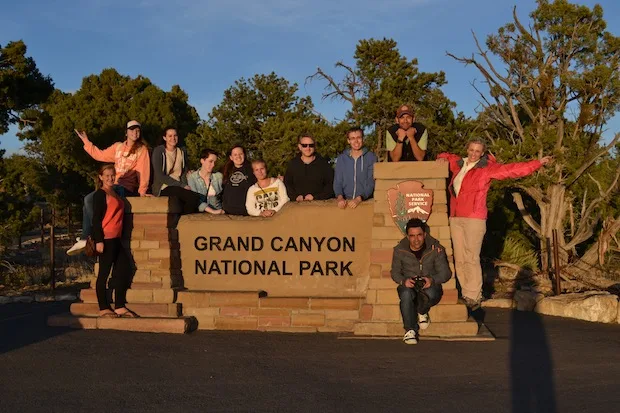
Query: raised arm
{"type": "Point", "coordinates": [518, 169]}
{"type": "Point", "coordinates": [106, 155]}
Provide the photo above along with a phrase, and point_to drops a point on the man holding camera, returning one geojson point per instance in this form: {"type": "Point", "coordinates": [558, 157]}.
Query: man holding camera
{"type": "Point", "coordinates": [419, 267]}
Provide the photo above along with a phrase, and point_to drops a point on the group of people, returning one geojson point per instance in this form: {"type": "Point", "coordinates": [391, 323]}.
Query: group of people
{"type": "Point", "coordinates": [419, 265]}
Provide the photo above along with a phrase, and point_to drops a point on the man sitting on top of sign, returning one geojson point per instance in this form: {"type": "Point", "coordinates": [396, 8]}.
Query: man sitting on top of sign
{"type": "Point", "coordinates": [268, 195]}
{"type": "Point", "coordinates": [408, 139]}
{"type": "Point", "coordinates": [419, 267]}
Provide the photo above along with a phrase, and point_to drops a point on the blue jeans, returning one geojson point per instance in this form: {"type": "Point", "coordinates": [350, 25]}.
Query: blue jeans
{"type": "Point", "coordinates": [413, 302]}
{"type": "Point", "coordinates": [87, 209]}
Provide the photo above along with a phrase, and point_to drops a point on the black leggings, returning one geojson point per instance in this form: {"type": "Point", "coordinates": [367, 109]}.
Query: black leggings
{"type": "Point", "coordinates": [114, 255]}
{"type": "Point", "coordinates": [189, 199]}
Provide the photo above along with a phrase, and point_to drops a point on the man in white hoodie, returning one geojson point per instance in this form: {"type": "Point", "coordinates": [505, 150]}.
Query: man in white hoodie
{"type": "Point", "coordinates": [267, 195]}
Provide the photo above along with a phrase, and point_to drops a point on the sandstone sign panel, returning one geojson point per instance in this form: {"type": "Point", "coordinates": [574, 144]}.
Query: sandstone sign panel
{"type": "Point", "coordinates": [305, 249]}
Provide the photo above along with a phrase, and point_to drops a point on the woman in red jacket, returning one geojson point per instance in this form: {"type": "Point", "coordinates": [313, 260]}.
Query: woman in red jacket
{"type": "Point", "coordinates": [108, 211]}
{"type": "Point", "coordinates": [471, 179]}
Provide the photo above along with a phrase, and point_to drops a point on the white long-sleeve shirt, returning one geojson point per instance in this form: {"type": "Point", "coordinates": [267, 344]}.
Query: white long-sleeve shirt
{"type": "Point", "coordinates": [259, 199]}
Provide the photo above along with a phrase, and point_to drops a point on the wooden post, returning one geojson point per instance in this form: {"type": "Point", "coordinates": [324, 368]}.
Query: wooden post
{"type": "Point", "coordinates": [52, 252]}
{"type": "Point", "coordinates": [556, 262]}
{"type": "Point", "coordinates": [42, 227]}
{"type": "Point", "coordinates": [69, 223]}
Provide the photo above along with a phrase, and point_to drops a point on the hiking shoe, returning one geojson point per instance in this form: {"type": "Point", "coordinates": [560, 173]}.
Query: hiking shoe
{"type": "Point", "coordinates": [410, 337]}
{"type": "Point", "coordinates": [471, 303]}
{"type": "Point", "coordinates": [78, 247]}
{"type": "Point", "coordinates": [423, 321]}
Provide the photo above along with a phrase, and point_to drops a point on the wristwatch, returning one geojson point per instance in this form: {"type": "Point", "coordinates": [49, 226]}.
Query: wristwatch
{"type": "Point", "coordinates": [399, 141]}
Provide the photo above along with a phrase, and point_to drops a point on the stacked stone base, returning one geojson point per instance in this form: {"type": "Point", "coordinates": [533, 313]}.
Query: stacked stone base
{"type": "Point", "coordinates": [156, 307]}
{"type": "Point", "coordinates": [150, 235]}
{"type": "Point", "coordinates": [221, 310]}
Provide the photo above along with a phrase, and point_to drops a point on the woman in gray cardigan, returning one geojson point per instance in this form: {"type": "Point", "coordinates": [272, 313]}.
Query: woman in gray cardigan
{"type": "Point", "coordinates": [170, 170]}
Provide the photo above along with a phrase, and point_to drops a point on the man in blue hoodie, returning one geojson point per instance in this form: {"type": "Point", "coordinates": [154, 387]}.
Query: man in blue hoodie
{"type": "Point", "coordinates": [354, 181]}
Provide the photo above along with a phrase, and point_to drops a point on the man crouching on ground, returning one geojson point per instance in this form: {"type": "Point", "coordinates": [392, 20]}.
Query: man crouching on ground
{"type": "Point", "coordinates": [419, 267]}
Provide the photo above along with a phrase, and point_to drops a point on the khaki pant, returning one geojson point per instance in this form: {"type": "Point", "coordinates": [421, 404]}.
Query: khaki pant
{"type": "Point", "coordinates": [467, 235]}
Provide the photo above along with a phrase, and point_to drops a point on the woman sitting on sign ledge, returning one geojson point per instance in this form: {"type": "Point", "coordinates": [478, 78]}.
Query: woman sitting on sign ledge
{"type": "Point", "coordinates": [132, 164]}
{"type": "Point", "coordinates": [268, 195]}
{"type": "Point", "coordinates": [471, 180]}
{"type": "Point", "coordinates": [207, 183]}
{"type": "Point", "coordinates": [237, 179]}
{"type": "Point", "coordinates": [169, 172]}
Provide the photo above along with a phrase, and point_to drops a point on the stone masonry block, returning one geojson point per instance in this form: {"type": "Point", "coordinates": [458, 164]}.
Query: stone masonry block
{"type": "Point", "coordinates": [308, 320]}
{"type": "Point", "coordinates": [338, 325]}
{"type": "Point", "coordinates": [378, 220]}
{"type": "Point", "coordinates": [382, 284]}
{"type": "Point", "coordinates": [149, 245]}
{"type": "Point", "coordinates": [387, 233]}
{"type": "Point", "coordinates": [335, 304]}
{"type": "Point", "coordinates": [159, 253]}
{"type": "Point", "coordinates": [137, 234]}
{"type": "Point", "coordinates": [386, 313]}
{"type": "Point", "coordinates": [342, 314]}
{"type": "Point", "coordinates": [388, 296]}
{"type": "Point", "coordinates": [235, 311]}
{"type": "Point", "coordinates": [274, 321]}
{"type": "Point", "coordinates": [378, 256]}
{"type": "Point", "coordinates": [140, 296]}
{"type": "Point", "coordinates": [233, 299]}
{"type": "Point", "coordinates": [270, 312]}
{"type": "Point", "coordinates": [163, 295]}
{"type": "Point", "coordinates": [407, 170]}
{"type": "Point", "coordinates": [375, 271]}
{"type": "Point", "coordinates": [366, 312]}
{"type": "Point", "coordinates": [438, 220]}
{"type": "Point", "coordinates": [285, 302]}
{"type": "Point", "coordinates": [371, 297]}
{"type": "Point", "coordinates": [236, 323]}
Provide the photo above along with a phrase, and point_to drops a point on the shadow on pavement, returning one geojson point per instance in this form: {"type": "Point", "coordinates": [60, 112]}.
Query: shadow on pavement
{"type": "Point", "coordinates": [531, 366]}
{"type": "Point", "coordinates": [25, 324]}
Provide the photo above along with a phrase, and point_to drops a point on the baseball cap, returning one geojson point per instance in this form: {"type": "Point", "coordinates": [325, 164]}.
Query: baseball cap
{"type": "Point", "coordinates": [404, 110]}
{"type": "Point", "coordinates": [133, 123]}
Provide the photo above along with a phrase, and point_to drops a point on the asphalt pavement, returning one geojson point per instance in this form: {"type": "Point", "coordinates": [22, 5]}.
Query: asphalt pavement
{"type": "Point", "coordinates": [536, 364]}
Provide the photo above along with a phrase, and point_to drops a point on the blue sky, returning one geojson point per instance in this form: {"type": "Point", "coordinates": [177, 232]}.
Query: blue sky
{"type": "Point", "coordinates": [204, 46]}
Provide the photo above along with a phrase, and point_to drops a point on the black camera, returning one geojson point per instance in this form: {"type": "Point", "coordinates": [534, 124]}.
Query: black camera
{"type": "Point", "coordinates": [418, 282]}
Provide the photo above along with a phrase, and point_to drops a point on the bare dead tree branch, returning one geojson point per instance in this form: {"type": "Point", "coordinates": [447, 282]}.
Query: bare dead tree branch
{"type": "Point", "coordinates": [518, 199]}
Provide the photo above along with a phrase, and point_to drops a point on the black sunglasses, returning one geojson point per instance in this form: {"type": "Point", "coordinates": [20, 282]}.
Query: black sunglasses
{"type": "Point", "coordinates": [307, 145]}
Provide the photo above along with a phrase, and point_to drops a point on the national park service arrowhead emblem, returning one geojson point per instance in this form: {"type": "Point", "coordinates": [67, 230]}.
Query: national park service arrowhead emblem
{"type": "Point", "coordinates": [409, 200]}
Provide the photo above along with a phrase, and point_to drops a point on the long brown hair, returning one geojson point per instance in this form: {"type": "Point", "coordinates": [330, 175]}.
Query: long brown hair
{"type": "Point", "coordinates": [137, 144]}
{"type": "Point", "coordinates": [230, 165]}
{"type": "Point", "coordinates": [102, 169]}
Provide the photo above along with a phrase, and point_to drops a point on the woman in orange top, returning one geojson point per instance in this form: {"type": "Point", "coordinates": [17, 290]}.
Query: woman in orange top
{"type": "Point", "coordinates": [108, 211]}
{"type": "Point", "coordinates": [133, 171]}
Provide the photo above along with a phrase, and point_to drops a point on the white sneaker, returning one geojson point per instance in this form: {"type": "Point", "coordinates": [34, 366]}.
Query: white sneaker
{"type": "Point", "coordinates": [77, 248]}
{"type": "Point", "coordinates": [410, 337]}
{"type": "Point", "coordinates": [423, 321]}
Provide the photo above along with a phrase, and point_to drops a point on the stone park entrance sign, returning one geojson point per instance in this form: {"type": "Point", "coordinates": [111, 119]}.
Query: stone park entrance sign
{"type": "Point", "coordinates": [409, 200]}
{"type": "Point", "coordinates": [304, 249]}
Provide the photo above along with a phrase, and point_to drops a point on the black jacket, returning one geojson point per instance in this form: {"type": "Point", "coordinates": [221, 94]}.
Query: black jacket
{"type": "Point", "coordinates": [315, 178]}
{"type": "Point", "coordinates": [433, 264]}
